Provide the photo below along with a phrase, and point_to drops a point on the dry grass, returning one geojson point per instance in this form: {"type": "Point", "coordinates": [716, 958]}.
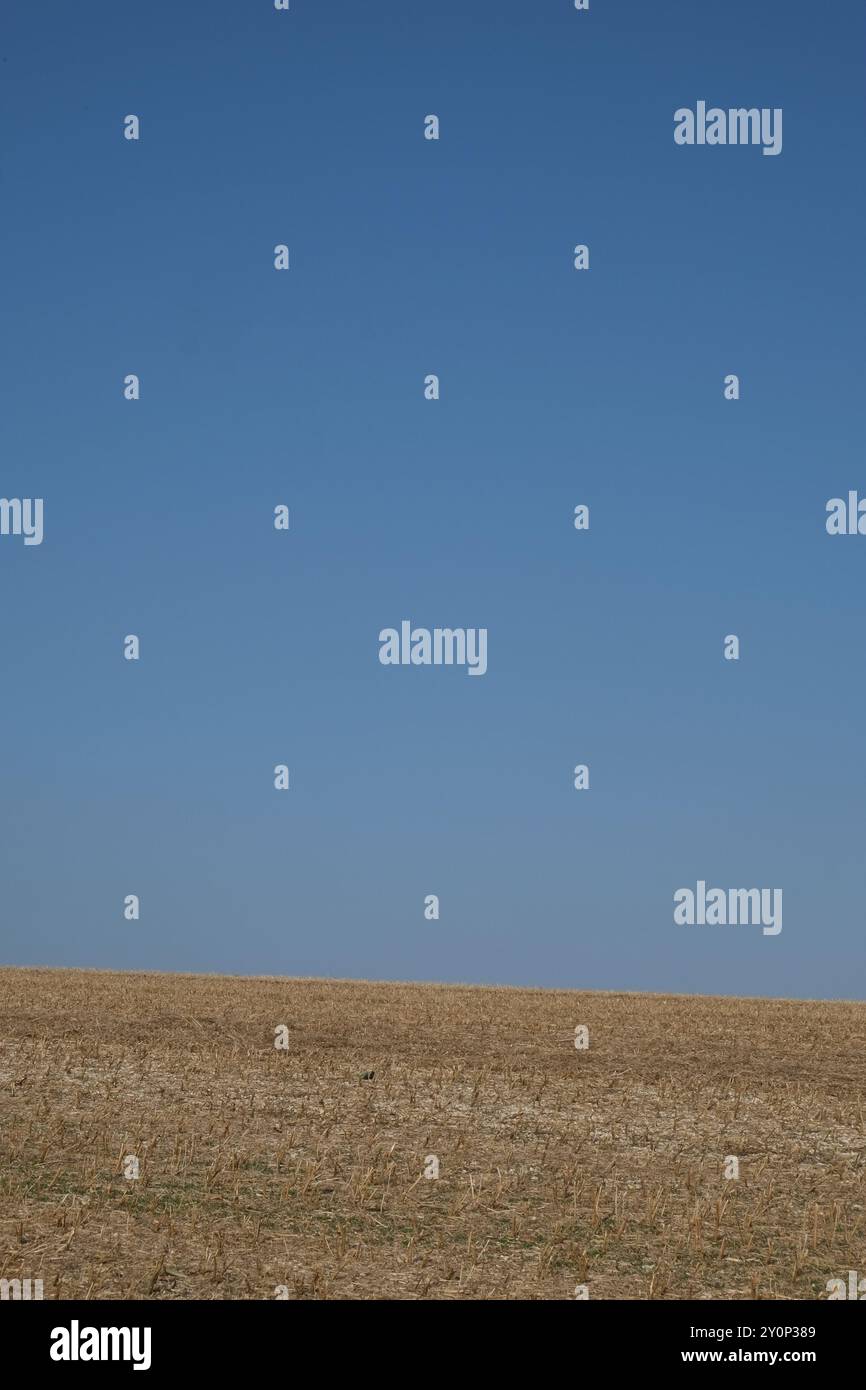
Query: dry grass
{"type": "Point", "coordinates": [262, 1168]}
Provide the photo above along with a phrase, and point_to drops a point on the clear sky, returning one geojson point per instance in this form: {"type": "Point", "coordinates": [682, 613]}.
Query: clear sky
{"type": "Point", "coordinates": [558, 387]}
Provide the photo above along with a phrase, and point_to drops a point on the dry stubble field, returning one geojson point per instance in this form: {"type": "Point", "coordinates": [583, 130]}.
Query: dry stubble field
{"type": "Point", "coordinates": [262, 1168]}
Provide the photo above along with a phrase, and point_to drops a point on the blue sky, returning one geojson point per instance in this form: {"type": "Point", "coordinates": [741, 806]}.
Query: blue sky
{"type": "Point", "coordinates": [558, 387]}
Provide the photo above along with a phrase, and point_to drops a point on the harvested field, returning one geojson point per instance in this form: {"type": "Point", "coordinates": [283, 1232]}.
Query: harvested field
{"type": "Point", "coordinates": [263, 1168]}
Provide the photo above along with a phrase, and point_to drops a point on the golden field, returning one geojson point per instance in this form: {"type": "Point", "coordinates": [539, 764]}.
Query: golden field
{"type": "Point", "coordinates": [263, 1169]}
